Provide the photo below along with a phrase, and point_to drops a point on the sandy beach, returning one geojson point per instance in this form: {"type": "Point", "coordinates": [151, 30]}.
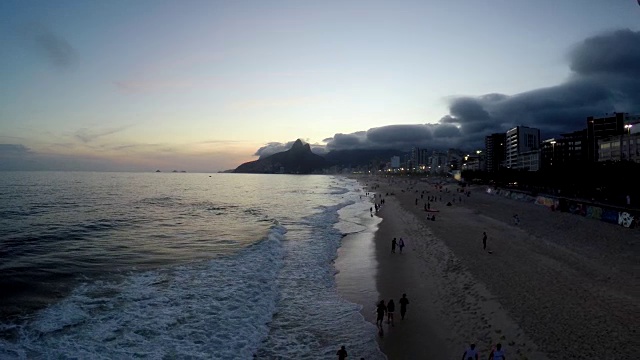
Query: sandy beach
{"type": "Point", "coordinates": [554, 286]}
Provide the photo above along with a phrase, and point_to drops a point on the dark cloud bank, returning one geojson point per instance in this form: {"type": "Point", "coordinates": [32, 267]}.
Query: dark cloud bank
{"type": "Point", "coordinates": [605, 77]}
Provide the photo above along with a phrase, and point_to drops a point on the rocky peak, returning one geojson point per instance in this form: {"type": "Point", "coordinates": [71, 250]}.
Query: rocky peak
{"type": "Point", "coordinates": [297, 146]}
{"type": "Point", "coordinates": [299, 159]}
{"type": "Point", "coordinates": [300, 147]}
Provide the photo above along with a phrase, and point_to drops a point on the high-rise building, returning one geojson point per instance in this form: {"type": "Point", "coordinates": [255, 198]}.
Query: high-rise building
{"type": "Point", "coordinates": [620, 148]}
{"type": "Point", "coordinates": [495, 151]}
{"type": "Point", "coordinates": [602, 127]}
{"type": "Point", "coordinates": [424, 157]}
{"type": "Point", "coordinates": [519, 141]}
{"type": "Point", "coordinates": [419, 158]}
{"type": "Point", "coordinates": [568, 150]}
{"type": "Point", "coordinates": [437, 162]}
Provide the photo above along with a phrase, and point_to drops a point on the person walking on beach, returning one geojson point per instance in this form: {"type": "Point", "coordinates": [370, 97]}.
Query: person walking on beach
{"type": "Point", "coordinates": [403, 305]}
{"type": "Point", "coordinates": [381, 309]}
{"type": "Point", "coordinates": [342, 353]}
{"type": "Point", "coordinates": [470, 353]}
{"type": "Point", "coordinates": [391, 307]}
{"type": "Point", "coordinates": [393, 245]}
{"type": "Point", "coordinates": [484, 240]}
{"type": "Point", "coordinates": [401, 244]}
{"type": "Point", "coordinates": [497, 353]}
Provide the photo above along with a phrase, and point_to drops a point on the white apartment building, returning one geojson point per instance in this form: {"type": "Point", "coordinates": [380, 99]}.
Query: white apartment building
{"type": "Point", "coordinates": [521, 140]}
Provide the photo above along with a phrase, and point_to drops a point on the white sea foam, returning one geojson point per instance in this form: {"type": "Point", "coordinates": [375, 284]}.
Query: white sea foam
{"type": "Point", "coordinates": [219, 309]}
{"type": "Point", "coordinates": [311, 320]}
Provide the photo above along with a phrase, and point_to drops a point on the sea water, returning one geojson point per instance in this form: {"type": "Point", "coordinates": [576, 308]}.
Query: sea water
{"type": "Point", "coordinates": [174, 265]}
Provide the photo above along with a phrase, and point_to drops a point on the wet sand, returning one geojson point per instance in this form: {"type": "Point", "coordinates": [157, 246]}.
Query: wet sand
{"type": "Point", "coordinates": [556, 286]}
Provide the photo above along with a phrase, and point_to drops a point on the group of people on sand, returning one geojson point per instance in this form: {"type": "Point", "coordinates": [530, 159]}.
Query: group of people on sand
{"type": "Point", "coordinates": [472, 354]}
{"type": "Point", "coordinates": [375, 204]}
{"type": "Point", "coordinates": [382, 309]}
{"type": "Point", "coordinates": [388, 309]}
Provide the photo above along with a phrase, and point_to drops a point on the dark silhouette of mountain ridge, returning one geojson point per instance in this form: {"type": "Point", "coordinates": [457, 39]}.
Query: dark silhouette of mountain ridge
{"type": "Point", "coordinates": [297, 160]}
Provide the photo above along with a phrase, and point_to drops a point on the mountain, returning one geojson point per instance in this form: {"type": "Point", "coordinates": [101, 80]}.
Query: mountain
{"type": "Point", "coordinates": [297, 160]}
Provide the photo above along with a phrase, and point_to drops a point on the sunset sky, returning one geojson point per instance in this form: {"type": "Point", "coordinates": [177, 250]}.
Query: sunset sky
{"type": "Point", "coordinates": [206, 85]}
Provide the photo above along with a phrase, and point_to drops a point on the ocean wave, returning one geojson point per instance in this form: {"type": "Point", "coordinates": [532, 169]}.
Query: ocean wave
{"type": "Point", "coordinates": [216, 309]}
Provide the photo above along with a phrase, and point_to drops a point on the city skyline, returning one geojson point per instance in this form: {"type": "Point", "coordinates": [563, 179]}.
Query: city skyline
{"type": "Point", "coordinates": [206, 86]}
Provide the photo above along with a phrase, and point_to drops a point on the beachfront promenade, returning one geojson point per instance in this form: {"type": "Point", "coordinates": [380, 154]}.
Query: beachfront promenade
{"type": "Point", "coordinates": [553, 286]}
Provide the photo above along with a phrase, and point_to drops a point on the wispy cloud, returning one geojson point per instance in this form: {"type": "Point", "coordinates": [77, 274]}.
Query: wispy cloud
{"type": "Point", "coordinates": [54, 47]}
{"type": "Point", "coordinates": [221, 142]}
{"type": "Point", "coordinates": [144, 86]}
{"type": "Point", "coordinates": [6, 138]}
{"type": "Point", "coordinates": [281, 102]}
{"type": "Point", "coordinates": [87, 135]}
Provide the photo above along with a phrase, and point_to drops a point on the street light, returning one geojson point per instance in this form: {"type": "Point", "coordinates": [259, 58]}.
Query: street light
{"type": "Point", "coordinates": [628, 127]}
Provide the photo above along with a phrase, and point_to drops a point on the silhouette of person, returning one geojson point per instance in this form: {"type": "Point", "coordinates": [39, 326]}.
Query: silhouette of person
{"type": "Point", "coordinates": [401, 244]}
{"type": "Point", "coordinates": [393, 245]}
{"type": "Point", "coordinates": [470, 353]}
{"type": "Point", "coordinates": [484, 240]}
{"type": "Point", "coordinates": [403, 305]}
{"type": "Point", "coordinates": [381, 309]}
{"type": "Point", "coordinates": [342, 353]}
{"type": "Point", "coordinates": [498, 353]}
{"type": "Point", "coordinates": [391, 307]}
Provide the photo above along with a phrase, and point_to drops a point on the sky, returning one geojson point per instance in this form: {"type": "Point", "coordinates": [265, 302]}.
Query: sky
{"type": "Point", "coordinates": [204, 86]}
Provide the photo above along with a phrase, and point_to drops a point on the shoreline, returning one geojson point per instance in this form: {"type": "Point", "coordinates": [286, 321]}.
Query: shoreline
{"type": "Point", "coordinates": [552, 286]}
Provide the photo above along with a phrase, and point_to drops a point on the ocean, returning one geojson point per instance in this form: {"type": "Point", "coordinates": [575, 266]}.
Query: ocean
{"type": "Point", "coordinates": [177, 266]}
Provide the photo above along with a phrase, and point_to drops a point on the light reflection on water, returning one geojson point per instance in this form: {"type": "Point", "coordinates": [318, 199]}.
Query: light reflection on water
{"type": "Point", "coordinates": [60, 226]}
